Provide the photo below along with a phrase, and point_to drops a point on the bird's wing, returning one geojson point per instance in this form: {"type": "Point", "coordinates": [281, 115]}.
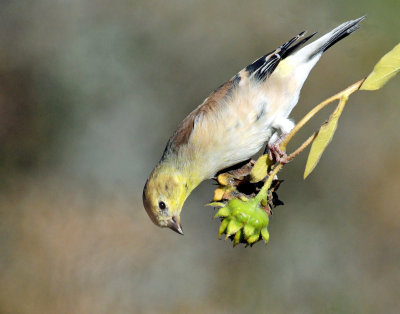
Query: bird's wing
{"type": "Point", "coordinates": [182, 134]}
{"type": "Point", "coordinates": [260, 69]}
{"type": "Point", "coordinates": [264, 66]}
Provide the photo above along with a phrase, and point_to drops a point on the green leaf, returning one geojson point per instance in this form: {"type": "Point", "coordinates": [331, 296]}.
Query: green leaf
{"type": "Point", "coordinates": [248, 215]}
{"type": "Point", "coordinates": [324, 137]}
{"type": "Point", "coordinates": [254, 238]}
{"type": "Point", "coordinates": [236, 239]}
{"type": "Point", "coordinates": [215, 204]}
{"type": "Point", "coordinates": [387, 67]}
{"type": "Point", "coordinates": [233, 227]}
{"type": "Point", "coordinates": [248, 230]}
{"type": "Point", "coordinates": [223, 212]}
{"type": "Point", "coordinates": [260, 169]}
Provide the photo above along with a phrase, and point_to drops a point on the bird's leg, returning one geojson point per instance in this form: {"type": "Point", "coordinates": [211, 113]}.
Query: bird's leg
{"type": "Point", "coordinates": [274, 151]}
{"type": "Point", "coordinates": [282, 125]}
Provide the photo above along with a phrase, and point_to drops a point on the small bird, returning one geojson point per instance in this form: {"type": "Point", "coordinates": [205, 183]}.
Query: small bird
{"type": "Point", "coordinates": [234, 123]}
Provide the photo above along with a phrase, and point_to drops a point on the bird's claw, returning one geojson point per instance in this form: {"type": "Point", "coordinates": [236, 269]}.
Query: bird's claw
{"type": "Point", "coordinates": [275, 153]}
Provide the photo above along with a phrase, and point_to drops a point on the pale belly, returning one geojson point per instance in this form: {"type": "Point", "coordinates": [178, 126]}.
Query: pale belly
{"type": "Point", "coordinates": [233, 134]}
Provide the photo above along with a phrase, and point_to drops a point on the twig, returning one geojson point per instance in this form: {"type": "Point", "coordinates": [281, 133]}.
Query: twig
{"type": "Point", "coordinates": [346, 92]}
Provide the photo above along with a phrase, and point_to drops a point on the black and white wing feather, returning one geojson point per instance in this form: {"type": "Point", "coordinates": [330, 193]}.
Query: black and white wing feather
{"type": "Point", "coordinates": [264, 66]}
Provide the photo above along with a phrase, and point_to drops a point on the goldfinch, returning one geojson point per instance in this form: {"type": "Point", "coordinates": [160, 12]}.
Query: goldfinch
{"type": "Point", "coordinates": [234, 123]}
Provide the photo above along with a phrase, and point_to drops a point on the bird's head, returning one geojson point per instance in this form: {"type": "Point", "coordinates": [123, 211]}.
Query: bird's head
{"type": "Point", "coordinates": [163, 197]}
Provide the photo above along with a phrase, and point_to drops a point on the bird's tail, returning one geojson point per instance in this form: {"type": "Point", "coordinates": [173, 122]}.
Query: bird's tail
{"type": "Point", "coordinates": [317, 47]}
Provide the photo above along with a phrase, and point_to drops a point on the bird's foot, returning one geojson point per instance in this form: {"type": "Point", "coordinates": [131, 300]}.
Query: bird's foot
{"type": "Point", "coordinates": [275, 153]}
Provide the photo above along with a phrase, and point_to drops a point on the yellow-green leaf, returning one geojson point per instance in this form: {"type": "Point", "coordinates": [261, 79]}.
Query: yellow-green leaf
{"type": "Point", "coordinates": [224, 179]}
{"type": "Point", "coordinates": [248, 230]}
{"type": "Point", "coordinates": [254, 238]}
{"type": "Point", "coordinates": [260, 169]}
{"type": "Point", "coordinates": [233, 227]}
{"type": "Point", "coordinates": [236, 239]}
{"type": "Point", "coordinates": [324, 137]}
{"type": "Point", "coordinates": [223, 212]}
{"type": "Point", "coordinates": [222, 227]}
{"type": "Point", "coordinates": [387, 67]}
{"type": "Point", "coordinates": [265, 234]}
{"type": "Point", "coordinates": [215, 204]}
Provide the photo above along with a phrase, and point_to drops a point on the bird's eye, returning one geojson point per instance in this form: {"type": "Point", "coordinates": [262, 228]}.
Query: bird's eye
{"type": "Point", "coordinates": [162, 205]}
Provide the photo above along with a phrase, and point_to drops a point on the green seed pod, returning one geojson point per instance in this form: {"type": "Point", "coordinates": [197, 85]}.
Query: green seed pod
{"type": "Point", "coordinates": [258, 218]}
{"type": "Point", "coordinates": [240, 212]}
{"type": "Point", "coordinates": [237, 204]}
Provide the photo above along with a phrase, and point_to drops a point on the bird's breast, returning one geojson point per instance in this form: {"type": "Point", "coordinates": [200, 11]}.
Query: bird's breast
{"type": "Point", "coordinates": [235, 130]}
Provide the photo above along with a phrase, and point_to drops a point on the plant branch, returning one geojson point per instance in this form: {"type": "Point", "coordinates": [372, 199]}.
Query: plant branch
{"type": "Point", "coordinates": [348, 91]}
{"type": "Point", "coordinates": [264, 190]}
{"type": "Point", "coordinates": [302, 147]}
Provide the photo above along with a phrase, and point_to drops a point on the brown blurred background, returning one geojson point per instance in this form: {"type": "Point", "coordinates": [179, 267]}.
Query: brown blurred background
{"type": "Point", "coordinates": [90, 92]}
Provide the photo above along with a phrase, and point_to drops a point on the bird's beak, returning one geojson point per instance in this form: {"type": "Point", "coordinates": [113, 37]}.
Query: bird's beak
{"type": "Point", "coordinates": [175, 224]}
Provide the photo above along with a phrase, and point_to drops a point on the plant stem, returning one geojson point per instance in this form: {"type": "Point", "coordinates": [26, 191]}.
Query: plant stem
{"type": "Point", "coordinates": [302, 147]}
{"type": "Point", "coordinates": [264, 190]}
{"type": "Point", "coordinates": [348, 91]}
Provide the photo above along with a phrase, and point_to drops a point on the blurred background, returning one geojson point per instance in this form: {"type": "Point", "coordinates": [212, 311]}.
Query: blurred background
{"type": "Point", "coordinates": [90, 92]}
